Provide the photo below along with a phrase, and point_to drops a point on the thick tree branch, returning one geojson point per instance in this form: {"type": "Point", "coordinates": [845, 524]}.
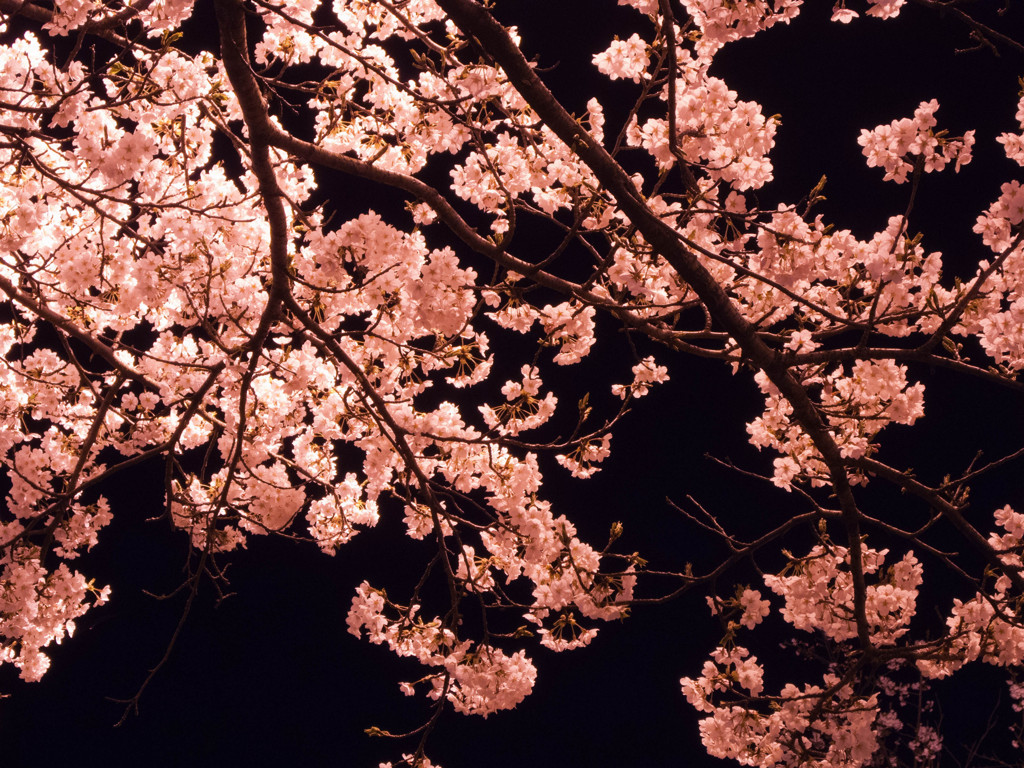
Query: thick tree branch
{"type": "Point", "coordinates": [475, 20]}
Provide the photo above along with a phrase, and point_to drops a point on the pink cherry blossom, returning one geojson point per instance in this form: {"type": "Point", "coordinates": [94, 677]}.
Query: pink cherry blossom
{"type": "Point", "coordinates": [191, 274]}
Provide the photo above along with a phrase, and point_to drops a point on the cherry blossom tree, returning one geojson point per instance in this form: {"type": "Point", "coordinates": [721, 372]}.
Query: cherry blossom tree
{"type": "Point", "coordinates": [180, 286]}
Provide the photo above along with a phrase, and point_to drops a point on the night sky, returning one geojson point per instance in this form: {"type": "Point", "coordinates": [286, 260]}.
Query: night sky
{"type": "Point", "coordinates": [270, 676]}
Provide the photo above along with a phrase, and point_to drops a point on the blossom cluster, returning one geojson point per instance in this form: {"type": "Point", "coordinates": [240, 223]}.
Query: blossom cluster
{"type": "Point", "coordinates": [818, 592]}
{"type": "Point", "coordinates": [1013, 143]}
{"type": "Point", "coordinates": [902, 146]}
{"type": "Point", "coordinates": [830, 720]}
{"type": "Point", "coordinates": [860, 403]}
{"type": "Point", "coordinates": [987, 626]}
{"type": "Point", "coordinates": [477, 680]}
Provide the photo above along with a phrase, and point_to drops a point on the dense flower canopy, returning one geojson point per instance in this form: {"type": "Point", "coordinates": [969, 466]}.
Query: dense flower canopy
{"type": "Point", "coordinates": [180, 286]}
